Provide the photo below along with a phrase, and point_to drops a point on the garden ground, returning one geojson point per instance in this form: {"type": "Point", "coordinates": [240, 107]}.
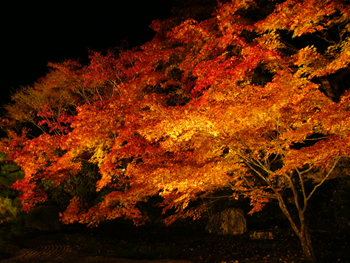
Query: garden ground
{"type": "Point", "coordinates": [111, 241]}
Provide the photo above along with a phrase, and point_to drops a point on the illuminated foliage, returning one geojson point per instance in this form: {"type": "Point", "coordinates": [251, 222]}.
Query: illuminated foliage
{"type": "Point", "coordinates": [253, 99]}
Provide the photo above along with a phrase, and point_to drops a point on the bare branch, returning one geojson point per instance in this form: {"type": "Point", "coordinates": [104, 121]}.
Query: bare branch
{"type": "Point", "coordinates": [325, 178]}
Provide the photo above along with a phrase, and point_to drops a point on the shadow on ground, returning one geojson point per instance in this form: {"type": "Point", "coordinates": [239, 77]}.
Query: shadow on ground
{"type": "Point", "coordinates": [187, 243]}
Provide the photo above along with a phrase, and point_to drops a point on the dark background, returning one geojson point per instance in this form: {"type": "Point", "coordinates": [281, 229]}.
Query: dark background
{"type": "Point", "coordinates": [33, 33]}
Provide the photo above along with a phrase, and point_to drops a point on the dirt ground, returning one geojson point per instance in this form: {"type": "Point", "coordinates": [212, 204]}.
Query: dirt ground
{"type": "Point", "coordinates": [64, 254]}
{"type": "Point", "coordinates": [128, 244]}
{"type": "Point", "coordinates": [38, 250]}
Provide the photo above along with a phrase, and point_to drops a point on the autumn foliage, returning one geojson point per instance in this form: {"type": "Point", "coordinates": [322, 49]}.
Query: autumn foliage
{"type": "Point", "coordinates": [254, 99]}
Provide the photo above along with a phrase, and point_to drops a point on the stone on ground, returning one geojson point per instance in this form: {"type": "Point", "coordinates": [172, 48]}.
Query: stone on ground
{"type": "Point", "coordinates": [229, 222]}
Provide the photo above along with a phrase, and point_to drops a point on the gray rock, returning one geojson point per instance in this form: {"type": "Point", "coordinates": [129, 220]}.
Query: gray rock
{"type": "Point", "coordinates": [229, 222]}
{"type": "Point", "coordinates": [261, 235]}
{"type": "Point", "coordinates": [44, 218]}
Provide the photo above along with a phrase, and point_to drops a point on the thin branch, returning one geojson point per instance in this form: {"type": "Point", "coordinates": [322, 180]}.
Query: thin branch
{"type": "Point", "coordinates": [249, 162]}
{"type": "Point", "coordinates": [284, 208]}
{"type": "Point", "coordinates": [295, 193]}
{"type": "Point", "coordinates": [327, 39]}
{"type": "Point", "coordinates": [324, 179]}
{"type": "Point", "coordinates": [302, 189]}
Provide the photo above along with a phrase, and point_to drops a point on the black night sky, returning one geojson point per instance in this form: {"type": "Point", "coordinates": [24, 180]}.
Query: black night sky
{"type": "Point", "coordinates": [34, 33]}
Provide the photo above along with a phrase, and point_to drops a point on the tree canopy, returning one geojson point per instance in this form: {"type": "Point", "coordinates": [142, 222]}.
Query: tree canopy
{"type": "Point", "coordinates": [253, 98]}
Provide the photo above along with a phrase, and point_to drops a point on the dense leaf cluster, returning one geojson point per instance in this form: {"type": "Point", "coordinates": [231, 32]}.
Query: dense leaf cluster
{"type": "Point", "coordinates": [253, 97]}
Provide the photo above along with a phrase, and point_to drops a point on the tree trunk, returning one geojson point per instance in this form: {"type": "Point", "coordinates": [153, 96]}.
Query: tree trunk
{"type": "Point", "coordinates": [303, 233]}
{"type": "Point", "coordinates": [305, 240]}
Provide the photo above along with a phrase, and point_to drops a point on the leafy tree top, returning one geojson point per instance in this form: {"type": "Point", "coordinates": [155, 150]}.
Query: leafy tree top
{"type": "Point", "coordinates": [253, 98]}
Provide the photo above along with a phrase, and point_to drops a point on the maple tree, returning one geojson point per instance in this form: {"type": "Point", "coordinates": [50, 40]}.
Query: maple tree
{"type": "Point", "coordinates": [253, 99]}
